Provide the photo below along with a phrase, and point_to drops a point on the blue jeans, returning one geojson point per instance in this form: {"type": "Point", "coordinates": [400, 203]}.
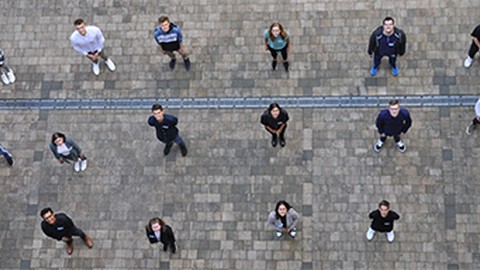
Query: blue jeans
{"type": "Point", "coordinates": [377, 59]}
{"type": "Point", "coordinates": [178, 140]}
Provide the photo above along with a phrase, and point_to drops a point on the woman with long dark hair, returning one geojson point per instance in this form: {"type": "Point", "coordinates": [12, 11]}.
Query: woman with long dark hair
{"type": "Point", "coordinates": [65, 150]}
{"type": "Point", "coordinates": [275, 121]}
{"type": "Point", "coordinates": [284, 219]}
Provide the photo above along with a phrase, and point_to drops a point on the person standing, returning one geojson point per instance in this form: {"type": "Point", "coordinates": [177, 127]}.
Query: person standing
{"type": "Point", "coordinates": [65, 150]}
{"type": "Point", "coordinates": [158, 231]}
{"type": "Point", "coordinates": [387, 40]}
{"type": "Point", "coordinates": [382, 221]}
{"type": "Point", "coordinates": [6, 72]}
{"type": "Point", "coordinates": [475, 121]}
{"type": "Point", "coordinates": [166, 127]}
{"type": "Point", "coordinates": [275, 121]}
{"type": "Point", "coordinates": [170, 38]}
{"type": "Point", "coordinates": [6, 155]}
{"type": "Point", "coordinates": [277, 39]}
{"type": "Point", "coordinates": [88, 41]}
{"type": "Point", "coordinates": [284, 219]}
{"type": "Point", "coordinates": [393, 122]}
{"type": "Point", "coordinates": [473, 47]}
{"type": "Point", "coordinates": [60, 227]}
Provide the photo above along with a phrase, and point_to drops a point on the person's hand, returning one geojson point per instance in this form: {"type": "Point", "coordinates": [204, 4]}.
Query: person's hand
{"type": "Point", "coordinates": [65, 239]}
{"type": "Point", "coordinates": [288, 230]}
{"type": "Point", "coordinates": [60, 161]}
{"type": "Point", "coordinates": [382, 135]}
{"type": "Point", "coordinates": [266, 47]}
{"type": "Point", "coordinates": [285, 230]}
{"type": "Point", "coordinates": [401, 134]}
{"type": "Point", "coordinates": [162, 52]}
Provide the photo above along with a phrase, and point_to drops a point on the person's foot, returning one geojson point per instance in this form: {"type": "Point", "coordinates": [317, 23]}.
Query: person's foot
{"type": "Point", "coordinates": [373, 71]}
{"type": "Point", "coordinates": [5, 79]}
{"type": "Point", "coordinates": [172, 64]}
{"type": "Point", "coordinates": [390, 236]}
{"type": "Point", "coordinates": [470, 129]}
{"type": "Point", "coordinates": [274, 143]}
{"type": "Point", "coordinates": [167, 148]}
{"type": "Point", "coordinates": [165, 247]}
{"type": "Point", "coordinates": [286, 65]}
{"type": "Point", "coordinates": [401, 146]}
{"type": "Point", "coordinates": [293, 233]}
{"type": "Point", "coordinates": [468, 62]}
{"type": "Point", "coordinates": [174, 249]}
{"type": "Point", "coordinates": [279, 234]}
{"type": "Point", "coordinates": [7, 155]}
{"type": "Point", "coordinates": [394, 71]}
{"type": "Point", "coordinates": [96, 69]}
{"type": "Point", "coordinates": [70, 248]}
{"type": "Point", "coordinates": [83, 165]}
{"type": "Point", "coordinates": [378, 146]}
{"type": "Point", "coordinates": [274, 64]}
{"type": "Point", "coordinates": [186, 62]}
{"type": "Point", "coordinates": [11, 76]}
{"type": "Point", "coordinates": [282, 142]}
{"type": "Point", "coordinates": [77, 166]}
{"type": "Point", "coordinates": [370, 234]}
{"type": "Point", "coordinates": [110, 64]}
{"type": "Point", "coordinates": [88, 241]}
{"type": "Point", "coordinates": [184, 150]}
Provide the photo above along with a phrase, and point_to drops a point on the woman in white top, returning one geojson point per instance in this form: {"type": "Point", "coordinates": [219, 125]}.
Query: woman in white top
{"type": "Point", "coordinates": [65, 149]}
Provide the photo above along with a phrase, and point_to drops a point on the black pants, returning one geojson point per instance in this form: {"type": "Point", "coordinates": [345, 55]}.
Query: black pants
{"type": "Point", "coordinates": [274, 135]}
{"type": "Point", "coordinates": [395, 137]}
{"type": "Point", "coordinates": [473, 50]}
{"type": "Point", "coordinates": [274, 53]}
{"type": "Point", "coordinates": [76, 232]}
{"type": "Point", "coordinates": [475, 121]}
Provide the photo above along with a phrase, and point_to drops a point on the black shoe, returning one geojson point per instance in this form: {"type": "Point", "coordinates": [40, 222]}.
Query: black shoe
{"type": "Point", "coordinates": [172, 64]}
{"type": "Point", "coordinates": [274, 143]}
{"type": "Point", "coordinates": [282, 142]}
{"type": "Point", "coordinates": [165, 248]}
{"type": "Point", "coordinates": [184, 150]}
{"type": "Point", "coordinates": [274, 64]}
{"type": "Point", "coordinates": [286, 65]}
{"type": "Point", "coordinates": [174, 249]}
{"type": "Point", "coordinates": [167, 148]}
{"type": "Point", "coordinates": [186, 62]}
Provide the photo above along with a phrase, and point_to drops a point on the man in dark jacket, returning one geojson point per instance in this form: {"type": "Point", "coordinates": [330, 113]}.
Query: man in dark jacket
{"type": "Point", "coordinates": [170, 38]}
{"type": "Point", "coordinates": [382, 221]}
{"type": "Point", "coordinates": [394, 121]}
{"type": "Point", "coordinates": [61, 227]}
{"type": "Point", "coordinates": [387, 40]}
{"type": "Point", "coordinates": [167, 132]}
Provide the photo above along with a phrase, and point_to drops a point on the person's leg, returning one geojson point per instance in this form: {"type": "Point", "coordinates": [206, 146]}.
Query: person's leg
{"type": "Point", "coordinates": [87, 240]}
{"type": "Point", "coordinates": [370, 234]}
{"type": "Point", "coordinates": [110, 64]}
{"type": "Point", "coordinates": [274, 54]}
{"type": "Point", "coordinates": [103, 55]}
{"type": "Point", "coordinates": [178, 140]}
{"type": "Point", "coordinates": [69, 242]}
{"type": "Point", "coordinates": [184, 54]}
{"type": "Point", "coordinates": [472, 126]}
{"type": "Point", "coordinates": [473, 50]}
{"type": "Point", "coordinates": [173, 247]}
{"type": "Point", "coordinates": [168, 146]}
{"type": "Point", "coordinates": [285, 56]}
{"type": "Point", "coordinates": [400, 145]}
{"type": "Point", "coordinates": [6, 155]}
{"type": "Point", "coordinates": [173, 59]}
{"type": "Point", "coordinates": [282, 136]}
{"type": "Point", "coordinates": [378, 145]}
{"type": "Point", "coordinates": [392, 59]}
{"type": "Point", "coordinates": [377, 60]}
{"type": "Point", "coordinates": [274, 138]}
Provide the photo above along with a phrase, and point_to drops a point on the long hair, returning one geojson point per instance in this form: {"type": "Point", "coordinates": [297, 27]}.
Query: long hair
{"type": "Point", "coordinates": [273, 106]}
{"type": "Point", "coordinates": [282, 202]}
{"type": "Point", "coordinates": [283, 33]}
{"type": "Point", "coordinates": [156, 220]}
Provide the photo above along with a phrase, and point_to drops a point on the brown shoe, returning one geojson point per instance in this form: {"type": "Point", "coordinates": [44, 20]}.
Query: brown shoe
{"type": "Point", "coordinates": [88, 241]}
{"type": "Point", "coordinates": [69, 248]}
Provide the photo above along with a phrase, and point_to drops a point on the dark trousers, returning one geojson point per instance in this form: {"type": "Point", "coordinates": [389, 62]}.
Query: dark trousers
{"type": "Point", "coordinates": [473, 50]}
{"type": "Point", "coordinates": [274, 53]}
{"type": "Point", "coordinates": [475, 121]}
{"type": "Point", "coordinates": [377, 59]}
{"type": "Point", "coordinates": [282, 137]}
{"type": "Point", "coordinates": [76, 232]}
{"type": "Point", "coordinates": [178, 140]}
{"type": "Point", "coordinates": [395, 137]}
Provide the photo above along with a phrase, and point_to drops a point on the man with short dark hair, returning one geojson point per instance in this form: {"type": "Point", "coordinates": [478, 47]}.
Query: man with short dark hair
{"type": "Point", "coordinates": [170, 38]}
{"type": "Point", "coordinates": [60, 226]}
{"type": "Point", "coordinates": [167, 132]}
{"type": "Point", "coordinates": [473, 47]}
{"type": "Point", "coordinates": [393, 122]}
{"type": "Point", "coordinates": [382, 221]}
{"type": "Point", "coordinates": [88, 41]}
{"type": "Point", "coordinates": [387, 40]}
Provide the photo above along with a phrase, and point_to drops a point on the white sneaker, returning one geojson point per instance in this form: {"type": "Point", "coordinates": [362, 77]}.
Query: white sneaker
{"type": "Point", "coordinates": [378, 146]}
{"type": "Point", "coordinates": [468, 62]}
{"type": "Point", "coordinates": [5, 79]}
{"type": "Point", "coordinates": [110, 64]}
{"type": "Point", "coordinates": [11, 76]}
{"type": "Point", "coordinates": [390, 236]}
{"type": "Point", "coordinates": [83, 165]}
{"type": "Point", "coordinates": [96, 68]}
{"type": "Point", "coordinates": [76, 166]}
{"type": "Point", "coordinates": [401, 147]}
{"type": "Point", "coordinates": [370, 234]}
{"type": "Point", "coordinates": [279, 234]}
{"type": "Point", "coordinates": [293, 233]}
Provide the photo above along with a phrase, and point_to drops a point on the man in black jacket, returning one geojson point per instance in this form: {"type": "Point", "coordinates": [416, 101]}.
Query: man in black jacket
{"type": "Point", "coordinates": [61, 227]}
{"type": "Point", "coordinates": [387, 40]}
{"type": "Point", "coordinates": [167, 132]}
{"type": "Point", "coordinates": [382, 221]}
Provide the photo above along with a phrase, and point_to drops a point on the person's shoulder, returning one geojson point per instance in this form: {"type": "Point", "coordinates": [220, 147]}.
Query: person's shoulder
{"type": "Point", "coordinates": [383, 113]}
{"type": "Point", "coordinates": [404, 111]}
{"type": "Point", "coordinates": [265, 33]}
{"type": "Point", "coordinates": [378, 31]}
{"type": "Point", "coordinates": [74, 35]}
{"type": "Point", "coordinates": [93, 28]}
{"type": "Point", "coordinates": [158, 31]}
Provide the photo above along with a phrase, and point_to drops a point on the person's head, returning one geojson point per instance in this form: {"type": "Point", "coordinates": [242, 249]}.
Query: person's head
{"type": "Point", "coordinates": [274, 109]}
{"type": "Point", "coordinates": [48, 215]}
{"type": "Point", "coordinates": [80, 26]}
{"type": "Point", "coordinates": [58, 138]}
{"type": "Point", "coordinates": [282, 208]}
{"type": "Point", "coordinates": [275, 30]}
{"type": "Point", "coordinates": [393, 107]}
{"type": "Point", "coordinates": [156, 224]}
{"type": "Point", "coordinates": [158, 111]}
{"type": "Point", "coordinates": [384, 208]}
{"type": "Point", "coordinates": [164, 23]}
{"type": "Point", "coordinates": [388, 25]}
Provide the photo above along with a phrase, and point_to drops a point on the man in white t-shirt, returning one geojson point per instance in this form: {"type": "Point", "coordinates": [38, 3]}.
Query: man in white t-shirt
{"type": "Point", "coordinates": [473, 125]}
{"type": "Point", "coordinates": [88, 41]}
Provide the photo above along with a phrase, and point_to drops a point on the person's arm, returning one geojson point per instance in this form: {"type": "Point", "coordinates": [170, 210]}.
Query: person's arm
{"type": "Point", "coordinates": [380, 124]}
{"type": "Point", "coordinates": [100, 39]}
{"type": "Point", "coordinates": [395, 216]}
{"type": "Point", "coordinates": [179, 36]}
{"type": "Point", "coordinates": [403, 43]}
{"type": "Point", "coordinates": [371, 44]}
{"type": "Point", "coordinates": [280, 129]}
{"type": "Point", "coordinates": [49, 232]}
{"type": "Point", "coordinates": [75, 146]}
{"type": "Point", "coordinates": [77, 47]}
{"type": "Point", "coordinates": [169, 231]}
{"type": "Point", "coordinates": [53, 148]}
{"type": "Point", "coordinates": [408, 122]}
{"type": "Point", "coordinates": [271, 219]}
{"type": "Point", "coordinates": [171, 119]}
{"type": "Point", "coordinates": [287, 39]}
{"type": "Point", "coordinates": [150, 236]}
{"type": "Point", "coordinates": [151, 120]}
{"type": "Point", "coordinates": [477, 109]}
{"type": "Point", "coordinates": [373, 215]}
{"type": "Point", "coordinates": [67, 223]}
{"type": "Point", "coordinates": [295, 217]}
{"type": "Point", "coordinates": [265, 37]}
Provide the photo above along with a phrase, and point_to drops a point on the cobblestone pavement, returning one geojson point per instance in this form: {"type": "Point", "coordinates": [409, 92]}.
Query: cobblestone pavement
{"type": "Point", "coordinates": [218, 197]}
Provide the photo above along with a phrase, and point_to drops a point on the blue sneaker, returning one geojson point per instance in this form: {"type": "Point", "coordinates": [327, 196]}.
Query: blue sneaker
{"type": "Point", "coordinates": [373, 71]}
{"type": "Point", "coordinates": [395, 71]}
